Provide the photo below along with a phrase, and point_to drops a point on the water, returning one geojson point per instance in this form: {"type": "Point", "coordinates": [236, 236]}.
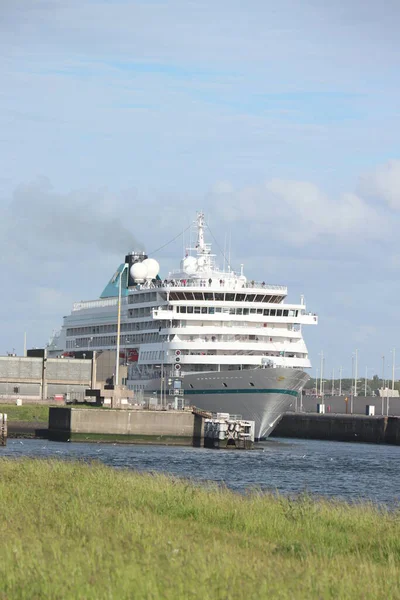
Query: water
{"type": "Point", "coordinates": [351, 472]}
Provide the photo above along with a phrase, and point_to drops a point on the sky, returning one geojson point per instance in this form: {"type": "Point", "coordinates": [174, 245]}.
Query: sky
{"type": "Point", "coordinates": [120, 119]}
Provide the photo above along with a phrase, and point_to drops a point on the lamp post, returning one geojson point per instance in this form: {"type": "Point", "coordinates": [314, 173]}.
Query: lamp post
{"type": "Point", "coordinates": [383, 382]}
{"type": "Point", "coordinates": [393, 367]}
{"type": "Point", "coordinates": [352, 384]}
{"type": "Point", "coordinates": [322, 372]}
{"type": "Point", "coordinates": [126, 266]}
{"type": "Point", "coordinates": [316, 383]}
{"type": "Point", "coordinates": [333, 382]}
{"type": "Point", "coordinates": [340, 381]}
{"type": "Point", "coordinates": [356, 375]}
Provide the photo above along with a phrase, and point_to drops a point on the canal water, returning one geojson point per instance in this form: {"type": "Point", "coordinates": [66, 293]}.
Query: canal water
{"type": "Point", "coordinates": [352, 472]}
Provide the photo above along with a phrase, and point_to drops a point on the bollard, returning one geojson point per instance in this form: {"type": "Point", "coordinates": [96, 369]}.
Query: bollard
{"type": "Point", "coordinates": [3, 429]}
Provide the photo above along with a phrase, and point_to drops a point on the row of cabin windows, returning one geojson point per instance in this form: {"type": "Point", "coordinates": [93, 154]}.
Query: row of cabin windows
{"type": "Point", "coordinates": [152, 355]}
{"type": "Point", "coordinates": [211, 310]}
{"type": "Point", "coordinates": [111, 340]}
{"type": "Point", "coordinates": [143, 297]}
{"type": "Point", "coordinates": [225, 297]}
{"type": "Point", "coordinates": [112, 328]}
{"type": "Point", "coordinates": [140, 312]}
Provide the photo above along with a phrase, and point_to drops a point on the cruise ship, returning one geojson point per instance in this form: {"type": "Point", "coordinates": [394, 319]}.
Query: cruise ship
{"type": "Point", "coordinates": [202, 335]}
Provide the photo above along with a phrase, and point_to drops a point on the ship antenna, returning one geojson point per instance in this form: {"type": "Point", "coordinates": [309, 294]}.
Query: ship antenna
{"type": "Point", "coordinates": [200, 233]}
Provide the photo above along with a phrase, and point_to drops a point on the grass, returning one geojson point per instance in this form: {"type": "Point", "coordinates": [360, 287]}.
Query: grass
{"type": "Point", "coordinates": [74, 530]}
{"type": "Point", "coordinates": [32, 413]}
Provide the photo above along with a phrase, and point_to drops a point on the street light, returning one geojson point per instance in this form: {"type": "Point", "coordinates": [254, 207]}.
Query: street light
{"type": "Point", "coordinates": [356, 375]}
{"type": "Point", "coordinates": [126, 266]}
{"type": "Point", "coordinates": [322, 371]}
{"type": "Point", "coordinates": [366, 379]}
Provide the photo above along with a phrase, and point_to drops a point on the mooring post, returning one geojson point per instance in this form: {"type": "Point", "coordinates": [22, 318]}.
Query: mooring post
{"type": "Point", "coordinates": [3, 429]}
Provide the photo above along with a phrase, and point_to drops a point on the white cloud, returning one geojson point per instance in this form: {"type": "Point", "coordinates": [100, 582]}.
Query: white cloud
{"type": "Point", "coordinates": [300, 212]}
{"type": "Point", "coordinates": [383, 183]}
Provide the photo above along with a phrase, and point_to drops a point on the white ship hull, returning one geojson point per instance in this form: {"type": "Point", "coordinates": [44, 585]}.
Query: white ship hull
{"type": "Point", "coordinates": [259, 395]}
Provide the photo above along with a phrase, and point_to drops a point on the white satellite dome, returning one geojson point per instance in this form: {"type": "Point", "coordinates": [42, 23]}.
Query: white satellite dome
{"type": "Point", "coordinates": [152, 267]}
{"type": "Point", "coordinates": [139, 272]}
{"type": "Point", "coordinates": [189, 265]}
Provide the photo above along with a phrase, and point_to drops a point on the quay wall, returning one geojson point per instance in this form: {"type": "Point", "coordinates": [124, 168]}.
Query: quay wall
{"type": "Point", "coordinates": [340, 428]}
{"type": "Point", "coordinates": [140, 426]}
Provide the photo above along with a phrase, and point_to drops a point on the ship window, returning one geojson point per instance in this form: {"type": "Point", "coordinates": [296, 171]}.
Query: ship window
{"type": "Point", "coordinates": [250, 297]}
{"type": "Point", "coordinates": [240, 297]}
{"type": "Point", "coordinates": [285, 313]}
{"type": "Point", "coordinates": [218, 309]}
{"type": "Point", "coordinates": [204, 310]}
{"type": "Point", "coordinates": [224, 384]}
{"type": "Point", "coordinates": [211, 310]}
{"type": "Point", "coordinates": [197, 310]}
{"type": "Point", "coordinates": [190, 309]}
{"type": "Point", "coordinates": [245, 311]}
{"type": "Point", "coordinates": [259, 311]}
{"type": "Point", "coordinates": [219, 297]}
{"type": "Point", "coordinates": [273, 312]}
{"type": "Point", "coordinates": [208, 296]}
{"type": "Point", "coordinates": [183, 309]}
{"type": "Point", "coordinates": [252, 311]}
{"type": "Point", "coordinates": [251, 383]}
{"type": "Point", "coordinates": [198, 296]}
{"type": "Point", "coordinates": [239, 311]}
{"type": "Point", "coordinates": [230, 297]}
{"type": "Point", "coordinates": [278, 313]}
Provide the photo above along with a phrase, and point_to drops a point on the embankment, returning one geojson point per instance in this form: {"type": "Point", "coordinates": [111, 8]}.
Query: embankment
{"type": "Point", "coordinates": [72, 530]}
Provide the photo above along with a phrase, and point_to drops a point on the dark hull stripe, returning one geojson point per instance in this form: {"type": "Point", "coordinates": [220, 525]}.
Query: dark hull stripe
{"type": "Point", "coordinates": [245, 391]}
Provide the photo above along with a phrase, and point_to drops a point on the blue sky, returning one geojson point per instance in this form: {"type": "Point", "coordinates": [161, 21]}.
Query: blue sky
{"type": "Point", "coordinates": [119, 119]}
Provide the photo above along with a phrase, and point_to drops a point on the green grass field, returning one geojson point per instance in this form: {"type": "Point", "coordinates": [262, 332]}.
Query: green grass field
{"type": "Point", "coordinates": [34, 413]}
{"type": "Point", "coordinates": [73, 530]}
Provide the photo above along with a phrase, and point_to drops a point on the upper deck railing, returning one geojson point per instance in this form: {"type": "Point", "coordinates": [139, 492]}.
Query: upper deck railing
{"type": "Point", "coordinates": [215, 284]}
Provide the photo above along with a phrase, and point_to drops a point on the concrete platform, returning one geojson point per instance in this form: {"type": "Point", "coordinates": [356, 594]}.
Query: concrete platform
{"type": "Point", "coordinates": [183, 428]}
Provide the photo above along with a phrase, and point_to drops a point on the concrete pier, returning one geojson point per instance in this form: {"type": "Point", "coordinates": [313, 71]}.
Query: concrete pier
{"type": "Point", "coordinates": [182, 428]}
{"type": "Point", "coordinates": [340, 428]}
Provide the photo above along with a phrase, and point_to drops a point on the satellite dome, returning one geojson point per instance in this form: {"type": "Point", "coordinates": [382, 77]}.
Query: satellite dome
{"type": "Point", "coordinates": [139, 272]}
{"type": "Point", "coordinates": [190, 265]}
{"type": "Point", "coordinates": [152, 267]}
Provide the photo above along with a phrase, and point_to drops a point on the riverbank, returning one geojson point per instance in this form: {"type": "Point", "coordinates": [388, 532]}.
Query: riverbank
{"type": "Point", "coordinates": [73, 530]}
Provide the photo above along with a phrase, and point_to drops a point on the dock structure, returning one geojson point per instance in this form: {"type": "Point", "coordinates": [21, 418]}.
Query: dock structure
{"type": "Point", "coordinates": [189, 427]}
{"type": "Point", "coordinates": [226, 431]}
{"type": "Point", "coordinates": [3, 429]}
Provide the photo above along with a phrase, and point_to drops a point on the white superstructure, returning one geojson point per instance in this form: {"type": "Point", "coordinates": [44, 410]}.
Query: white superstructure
{"type": "Point", "coordinates": [220, 322]}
